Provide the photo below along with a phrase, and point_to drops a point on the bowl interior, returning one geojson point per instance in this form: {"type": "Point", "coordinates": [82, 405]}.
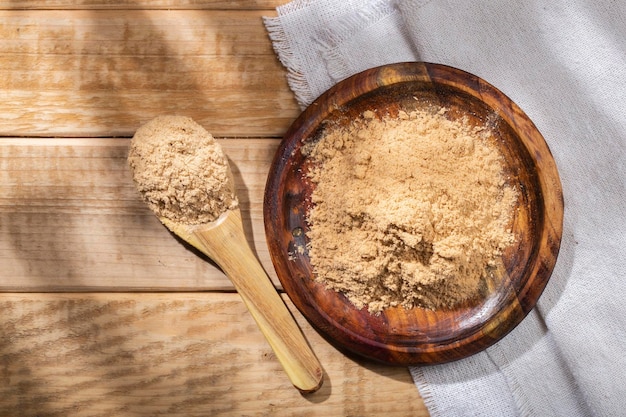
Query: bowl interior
{"type": "Point", "coordinates": [413, 336]}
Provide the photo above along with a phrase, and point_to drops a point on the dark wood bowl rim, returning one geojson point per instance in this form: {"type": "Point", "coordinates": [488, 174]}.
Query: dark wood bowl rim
{"type": "Point", "coordinates": [477, 334]}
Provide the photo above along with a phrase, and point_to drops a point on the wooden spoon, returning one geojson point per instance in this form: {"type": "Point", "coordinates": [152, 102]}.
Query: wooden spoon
{"type": "Point", "coordinates": [224, 241]}
{"type": "Point", "coordinates": [175, 146]}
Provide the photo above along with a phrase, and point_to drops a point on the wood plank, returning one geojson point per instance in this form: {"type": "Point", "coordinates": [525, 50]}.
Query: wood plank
{"type": "Point", "coordinates": [173, 354]}
{"type": "Point", "coordinates": [141, 4]}
{"type": "Point", "coordinates": [71, 219]}
{"type": "Point", "coordinates": [105, 72]}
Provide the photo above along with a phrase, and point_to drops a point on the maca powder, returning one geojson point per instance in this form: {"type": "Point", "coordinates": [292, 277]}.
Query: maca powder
{"type": "Point", "coordinates": [181, 171]}
{"type": "Point", "coordinates": [410, 211]}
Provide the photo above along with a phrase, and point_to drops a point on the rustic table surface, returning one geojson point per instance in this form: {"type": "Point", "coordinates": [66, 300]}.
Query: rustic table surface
{"type": "Point", "coordinates": [102, 311]}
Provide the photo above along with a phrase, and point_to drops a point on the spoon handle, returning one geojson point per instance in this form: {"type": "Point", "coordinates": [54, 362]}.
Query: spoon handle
{"type": "Point", "coordinates": [226, 244]}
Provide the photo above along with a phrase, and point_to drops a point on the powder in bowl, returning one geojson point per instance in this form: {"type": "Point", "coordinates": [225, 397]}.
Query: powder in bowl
{"type": "Point", "coordinates": [410, 211]}
{"type": "Point", "coordinates": [181, 171]}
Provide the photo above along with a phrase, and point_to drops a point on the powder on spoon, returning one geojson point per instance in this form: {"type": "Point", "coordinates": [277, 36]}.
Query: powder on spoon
{"type": "Point", "coordinates": [181, 171]}
{"type": "Point", "coordinates": [408, 211]}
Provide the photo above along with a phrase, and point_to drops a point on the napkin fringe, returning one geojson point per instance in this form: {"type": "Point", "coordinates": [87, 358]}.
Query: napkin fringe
{"type": "Point", "coordinates": [522, 402]}
{"type": "Point", "coordinates": [295, 71]}
{"type": "Point", "coordinates": [337, 67]}
{"type": "Point", "coordinates": [425, 391]}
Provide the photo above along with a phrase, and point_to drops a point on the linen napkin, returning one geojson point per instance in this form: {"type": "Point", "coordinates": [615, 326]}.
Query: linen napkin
{"type": "Point", "coordinates": [564, 63]}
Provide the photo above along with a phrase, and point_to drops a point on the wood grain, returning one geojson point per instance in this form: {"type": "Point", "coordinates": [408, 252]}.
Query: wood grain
{"type": "Point", "coordinates": [78, 77]}
{"type": "Point", "coordinates": [71, 219]}
{"type": "Point", "coordinates": [171, 354]}
{"type": "Point", "coordinates": [105, 72]}
{"type": "Point", "coordinates": [268, 5]}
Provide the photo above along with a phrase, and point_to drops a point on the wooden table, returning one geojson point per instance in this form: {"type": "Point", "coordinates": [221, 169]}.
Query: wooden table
{"type": "Point", "coordinates": [102, 311]}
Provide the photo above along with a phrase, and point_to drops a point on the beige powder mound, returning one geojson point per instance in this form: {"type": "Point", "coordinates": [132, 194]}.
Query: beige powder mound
{"type": "Point", "coordinates": [408, 211]}
{"type": "Point", "coordinates": [181, 171]}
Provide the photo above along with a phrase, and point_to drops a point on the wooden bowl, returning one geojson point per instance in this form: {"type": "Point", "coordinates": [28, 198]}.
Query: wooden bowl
{"type": "Point", "coordinates": [401, 336]}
